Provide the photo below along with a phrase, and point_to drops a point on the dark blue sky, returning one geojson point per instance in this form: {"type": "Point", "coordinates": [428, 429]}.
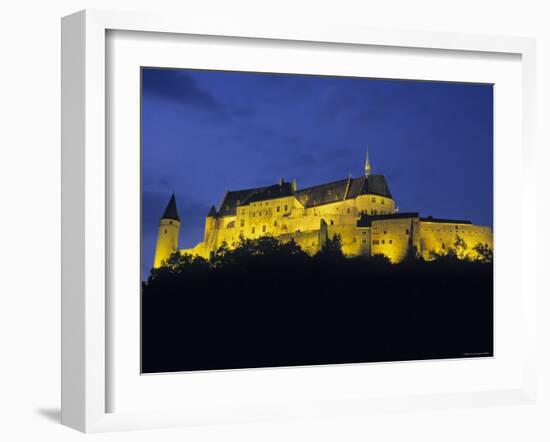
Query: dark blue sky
{"type": "Point", "coordinates": [205, 132]}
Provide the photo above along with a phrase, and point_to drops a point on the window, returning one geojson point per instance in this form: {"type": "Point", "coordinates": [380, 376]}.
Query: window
{"type": "Point", "coordinates": [382, 202]}
{"type": "Point", "coordinates": [253, 230]}
{"type": "Point", "coordinates": [373, 199]}
{"type": "Point", "coordinates": [407, 231]}
{"type": "Point", "coordinates": [243, 213]}
{"type": "Point", "coordinates": [442, 245]}
{"type": "Point", "coordinates": [383, 241]}
{"type": "Point", "coordinates": [375, 242]}
{"type": "Point", "coordinates": [263, 228]}
{"type": "Point", "coordinates": [278, 208]}
{"type": "Point", "coordinates": [374, 212]}
{"type": "Point", "coordinates": [364, 241]}
{"type": "Point", "coordinates": [364, 233]}
{"type": "Point", "coordinates": [376, 231]}
{"type": "Point", "coordinates": [242, 222]}
{"type": "Point", "coordinates": [253, 214]}
{"type": "Point", "coordinates": [165, 231]}
{"type": "Point", "coordinates": [331, 222]}
{"type": "Point", "coordinates": [349, 210]}
{"type": "Point", "coordinates": [390, 241]}
{"type": "Point", "coordinates": [286, 207]}
{"type": "Point", "coordinates": [385, 231]}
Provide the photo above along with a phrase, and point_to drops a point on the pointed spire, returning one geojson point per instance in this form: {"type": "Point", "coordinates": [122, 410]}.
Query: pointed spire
{"type": "Point", "coordinates": [367, 165]}
{"type": "Point", "coordinates": [171, 211]}
{"type": "Point", "coordinates": [212, 211]}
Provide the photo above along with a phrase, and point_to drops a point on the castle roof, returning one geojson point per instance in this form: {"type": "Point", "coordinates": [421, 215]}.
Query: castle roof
{"type": "Point", "coordinates": [267, 193]}
{"type": "Point", "coordinates": [311, 196]}
{"type": "Point", "coordinates": [344, 189]}
{"type": "Point", "coordinates": [366, 220]}
{"type": "Point", "coordinates": [443, 220]}
{"type": "Point", "coordinates": [171, 211]}
{"type": "Point", "coordinates": [234, 198]}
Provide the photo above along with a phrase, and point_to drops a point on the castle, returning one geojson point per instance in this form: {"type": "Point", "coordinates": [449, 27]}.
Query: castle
{"type": "Point", "coordinates": [360, 210]}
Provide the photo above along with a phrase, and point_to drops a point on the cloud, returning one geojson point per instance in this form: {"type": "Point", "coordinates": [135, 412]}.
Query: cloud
{"type": "Point", "coordinates": [178, 87]}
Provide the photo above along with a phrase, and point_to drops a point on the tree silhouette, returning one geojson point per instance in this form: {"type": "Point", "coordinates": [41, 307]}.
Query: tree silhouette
{"type": "Point", "coordinates": [484, 253]}
{"type": "Point", "coordinates": [332, 248]}
{"type": "Point", "coordinates": [268, 303]}
{"type": "Point", "coordinates": [460, 247]}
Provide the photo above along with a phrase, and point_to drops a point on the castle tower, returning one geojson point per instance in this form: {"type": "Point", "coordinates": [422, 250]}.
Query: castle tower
{"type": "Point", "coordinates": [168, 234]}
{"type": "Point", "coordinates": [367, 165]}
{"type": "Point", "coordinates": [210, 225]}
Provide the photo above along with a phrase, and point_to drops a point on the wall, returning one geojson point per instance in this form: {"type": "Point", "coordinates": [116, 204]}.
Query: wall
{"type": "Point", "coordinates": [375, 204]}
{"type": "Point", "coordinates": [30, 183]}
{"type": "Point", "coordinates": [439, 237]}
{"type": "Point", "coordinates": [391, 237]}
{"type": "Point", "coordinates": [167, 240]}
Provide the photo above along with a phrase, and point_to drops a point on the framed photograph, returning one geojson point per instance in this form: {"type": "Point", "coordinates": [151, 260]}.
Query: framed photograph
{"type": "Point", "coordinates": [263, 222]}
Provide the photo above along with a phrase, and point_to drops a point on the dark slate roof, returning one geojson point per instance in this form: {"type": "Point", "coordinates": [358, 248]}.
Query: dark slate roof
{"type": "Point", "coordinates": [377, 185]}
{"type": "Point", "coordinates": [235, 198]}
{"type": "Point", "coordinates": [322, 194]}
{"type": "Point", "coordinates": [366, 220]}
{"type": "Point", "coordinates": [311, 196]}
{"type": "Point", "coordinates": [171, 211]}
{"type": "Point", "coordinates": [443, 220]}
{"type": "Point", "coordinates": [271, 192]}
{"type": "Point", "coordinates": [344, 189]}
{"type": "Point", "coordinates": [212, 211]}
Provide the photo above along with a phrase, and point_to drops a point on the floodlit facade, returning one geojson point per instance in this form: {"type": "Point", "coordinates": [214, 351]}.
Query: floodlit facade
{"type": "Point", "coordinates": [360, 210]}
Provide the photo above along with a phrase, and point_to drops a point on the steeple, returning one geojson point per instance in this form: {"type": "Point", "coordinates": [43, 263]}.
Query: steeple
{"type": "Point", "coordinates": [212, 211]}
{"type": "Point", "coordinates": [171, 211]}
{"type": "Point", "coordinates": [367, 165]}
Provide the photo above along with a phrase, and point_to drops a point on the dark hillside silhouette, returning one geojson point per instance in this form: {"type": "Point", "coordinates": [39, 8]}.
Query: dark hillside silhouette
{"type": "Point", "coordinates": [267, 304]}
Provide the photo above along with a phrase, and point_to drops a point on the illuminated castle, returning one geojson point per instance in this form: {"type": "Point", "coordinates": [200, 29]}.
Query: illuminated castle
{"type": "Point", "coordinates": [360, 210]}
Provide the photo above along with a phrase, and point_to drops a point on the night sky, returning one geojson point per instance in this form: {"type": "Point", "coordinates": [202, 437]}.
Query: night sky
{"type": "Point", "coordinates": [205, 132]}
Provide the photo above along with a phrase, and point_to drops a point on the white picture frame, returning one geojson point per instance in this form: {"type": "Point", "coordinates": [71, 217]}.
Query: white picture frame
{"type": "Point", "coordinates": [85, 210]}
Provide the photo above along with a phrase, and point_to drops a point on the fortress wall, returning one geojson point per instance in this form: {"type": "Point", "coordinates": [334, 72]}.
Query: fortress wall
{"type": "Point", "coordinates": [351, 238]}
{"type": "Point", "coordinates": [304, 219]}
{"type": "Point", "coordinates": [265, 217]}
{"type": "Point", "coordinates": [225, 233]}
{"type": "Point", "coordinates": [200, 249]}
{"type": "Point", "coordinates": [440, 236]}
{"type": "Point", "coordinates": [391, 237]}
{"type": "Point", "coordinates": [374, 204]}
{"type": "Point", "coordinates": [308, 241]}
